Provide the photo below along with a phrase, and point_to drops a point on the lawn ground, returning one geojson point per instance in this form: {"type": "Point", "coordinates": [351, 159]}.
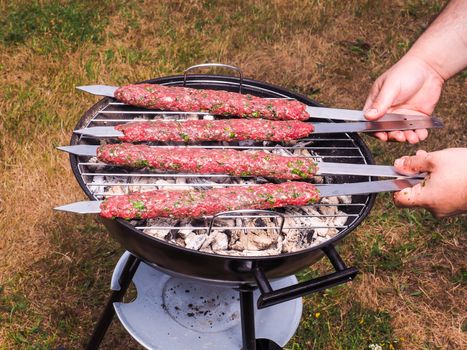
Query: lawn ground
{"type": "Point", "coordinates": [55, 268]}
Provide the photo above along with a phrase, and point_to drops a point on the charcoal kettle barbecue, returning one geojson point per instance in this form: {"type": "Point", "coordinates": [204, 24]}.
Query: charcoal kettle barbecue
{"type": "Point", "coordinates": [241, 272]}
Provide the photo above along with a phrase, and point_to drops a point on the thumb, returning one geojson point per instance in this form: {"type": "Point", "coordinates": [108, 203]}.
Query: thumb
{"type": "Point", "coordinates": [382, 101]}
{"type": "Point", "coordinates": [410, 197]}
{"type": "Point", "coordinates": [419, 163]}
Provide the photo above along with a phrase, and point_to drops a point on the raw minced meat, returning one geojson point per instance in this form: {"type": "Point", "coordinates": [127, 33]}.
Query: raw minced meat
{"type": "Point", "coordinates": [170, 98]}
{"type": "Point", "coordinates": [194, 204]}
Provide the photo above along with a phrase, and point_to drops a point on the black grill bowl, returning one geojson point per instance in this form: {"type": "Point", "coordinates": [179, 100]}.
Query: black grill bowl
{"type": "Point", "coordinates": [220, 269]}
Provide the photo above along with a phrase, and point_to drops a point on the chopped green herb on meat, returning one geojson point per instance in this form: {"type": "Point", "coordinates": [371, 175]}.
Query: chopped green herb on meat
{"type": "Point", "coordinates": [138, 205]}
{"type": "Point", "coordinates": [300, 173]}
{"type": "Point", "coordinates": [268, 197]}
{"type": "Point", "coordinates": [185, 137]}
{"type": "Point", "coordinates": [141, 163]}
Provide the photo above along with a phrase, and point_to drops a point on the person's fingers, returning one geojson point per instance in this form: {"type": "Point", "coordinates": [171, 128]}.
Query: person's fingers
{"type": "Point", "coordinates": [421, 153]}
{"type": "Point", "coordinates": [411, 136]}
{"type": "Point", "coordinates": [368, 103]}
{"type": "Point", "coordinates": [372, 94]}
{"type": "Point", "coordinates": [384, 99]}
{"type": "Point", "coordinates": [422, 134]}
{"type": "Point", "coordinates": [405, 198]}
{"type": "Point", "coordinates": [383, 136]}
{"type": "Point", "coordinates": [415, 196]}
{"type": "Point", "coordinates": [396, 136]}
{"type": "Point", "coordinates": [421, 162]}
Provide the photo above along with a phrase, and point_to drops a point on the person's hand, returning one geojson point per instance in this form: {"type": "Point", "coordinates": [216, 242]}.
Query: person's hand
{"type": "Point", "coordinates": [444, 190]}
{"type": "Point", "coordinates": [411, 86]}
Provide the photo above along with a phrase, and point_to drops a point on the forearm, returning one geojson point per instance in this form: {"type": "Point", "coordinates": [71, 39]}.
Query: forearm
{"type": "Point", "coordinates": [444, 44]}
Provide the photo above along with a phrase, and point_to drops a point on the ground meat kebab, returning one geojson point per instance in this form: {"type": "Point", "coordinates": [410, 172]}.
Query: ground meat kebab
{"type": "Point", "coordinates": [170, 98]}
{"type": "Point", "coordinates": [214, 130]}
{"type": "Point", "coordinates": [208, 161]}
{"type": "Point", "coordinates": [194, 204]}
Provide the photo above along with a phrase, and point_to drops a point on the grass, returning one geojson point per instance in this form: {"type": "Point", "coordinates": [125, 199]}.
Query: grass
{"type": "Point", "coordinates": [53, 25]}
{"type": "Point", "coordinates": [55, 268]}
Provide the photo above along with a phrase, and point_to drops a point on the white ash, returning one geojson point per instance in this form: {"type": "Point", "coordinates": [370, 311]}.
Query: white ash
{"type": "Point", "coordinates": [304, 227]}
{"type": "Point", "coordinates": [194, 241]}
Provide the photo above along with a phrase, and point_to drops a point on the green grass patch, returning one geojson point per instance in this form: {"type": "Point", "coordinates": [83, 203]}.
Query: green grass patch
{"type": "Point", "coordinates": [33, 325]}
{"type": "Point", "coordinates": [15, 306]}
{"type": "Point", "coordinates": [53, 24]}
{"type": "Point", "coordinates": [326, 326]}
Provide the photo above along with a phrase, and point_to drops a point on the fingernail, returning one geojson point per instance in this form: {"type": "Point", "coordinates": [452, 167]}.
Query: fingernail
{"type": "Point", "coordinates": [407, 191]}
{"type": "Point", "coordinates": [399, 163]}
{"type": "Point", "coordinates": [371, 112]}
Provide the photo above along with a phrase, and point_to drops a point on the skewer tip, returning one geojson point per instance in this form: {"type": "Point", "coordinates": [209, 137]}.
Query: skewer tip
{"type": "Point", "coordinates": [100, 90]}
{"type": "Point", "coordinates": [83, 207]}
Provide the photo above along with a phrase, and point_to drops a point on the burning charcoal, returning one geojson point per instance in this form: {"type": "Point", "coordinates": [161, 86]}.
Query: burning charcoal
{"type": "Point", "coordinates": [236, 243]}
{"type": "Point", "coordinates": [224, 222]}
{"type": "Point", "coordinates": [207, 243]}
{"type": "Point", "coordinates": [142, 180]}
{"type": "Point", "coordinates": [293, 241]}
{"type": "Point", "coordinates": [157, 232]}
{"type": "Point", "coordinates": [207, 249]}
{"type": "Point", "coordinates": [194, 241]}
{"type": "Point", "coordinates": [339, 220]}
{"type": "Point", "coordinates": [247, 143]}
{"type": "Point", "coordinates": [328, 210]}
{"type": "Point", "coordinates": [181, 181]}
{"type": "Point", "coordinates": [96, 180]}
{"type": "Point", "coordinates": [301, 151]}
{"type": "Point", "coordinates": [280, 151]}
{"type": "Point", "coordinates": [97, 168]}
{"type": "Point", "coordinates": [259, 241]}
{"type": "Point", "coordinates": [161, 234]}
{"type": "Point", "coordinates": [310, 210]}
{"type": "Point", "coordinates": [183, 233]}
{"type": "Point", "coordinates": [345, 199]}
{"type": "Point", "coordinates": [319, 240]}
{"type": "Point", "coordinates": [318, 179]}
{"type": "Point", "coordinates": [116, 190]}
{"type": "Point", "coordinates": [179, 241]}
{"type": "Point", "coordinates": [220, 241]}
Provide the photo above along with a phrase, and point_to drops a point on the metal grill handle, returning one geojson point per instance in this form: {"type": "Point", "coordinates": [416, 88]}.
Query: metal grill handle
{"type": "Point", "coordinates": [250, 212]}
{"type": "Point", "coordinates": [204, 65]}
{"type": "Point", "coordinates": [271, 297]}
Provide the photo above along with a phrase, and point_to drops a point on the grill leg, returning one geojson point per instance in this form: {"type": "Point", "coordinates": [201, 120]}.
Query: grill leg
{"type": "Point", "coordinates": [248, 319]}
{"type": "Point", "coordinates": [107, 315]}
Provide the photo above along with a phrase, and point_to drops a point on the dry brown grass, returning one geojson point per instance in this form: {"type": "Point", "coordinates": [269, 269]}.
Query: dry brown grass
{"type": "Point", "coordinates": [60, 264]}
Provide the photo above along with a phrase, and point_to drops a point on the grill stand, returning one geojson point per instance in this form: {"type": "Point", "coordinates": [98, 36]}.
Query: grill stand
{"type": "Point", "coordinates": [249, 340]}
{"type": "Point", "coordinates": [117, 295]}
{"type": "Point", "coordinates": [248, 318]}
{"type": "Point", "coordinates": [268, 297]}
